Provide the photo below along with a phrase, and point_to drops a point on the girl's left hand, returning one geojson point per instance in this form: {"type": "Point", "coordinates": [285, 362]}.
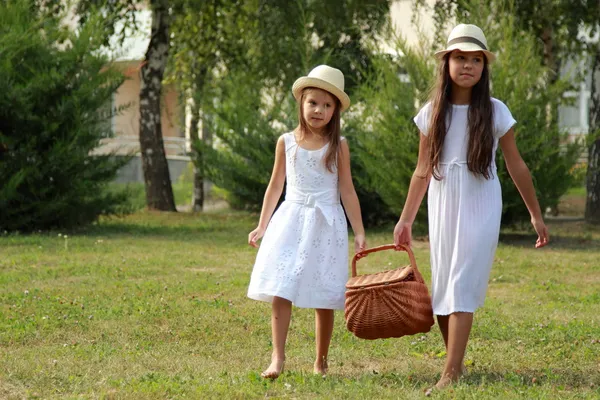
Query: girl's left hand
{"type": "Point", "coordinates": [542, 232]}
{"type": "Point", "coordinates": [360, 243]}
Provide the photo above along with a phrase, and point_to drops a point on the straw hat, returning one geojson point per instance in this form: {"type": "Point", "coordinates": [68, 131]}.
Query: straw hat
{"type": "Point", "coordinates": [465, 37]}
{"type": "Point", "coordinates": [326, 78]}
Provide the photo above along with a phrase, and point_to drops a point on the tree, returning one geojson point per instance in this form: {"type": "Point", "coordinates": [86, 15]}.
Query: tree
{"type": "Point", "coordinates": [159, 193]}
{"type": "Point", "coordinates": [253, 104]}
{"type": "Point", "coordinates": [592, 207]}
{"type": "Point", "coordinates": [205, 35]}
{"type": "Point", "coordinates": [55, 87]}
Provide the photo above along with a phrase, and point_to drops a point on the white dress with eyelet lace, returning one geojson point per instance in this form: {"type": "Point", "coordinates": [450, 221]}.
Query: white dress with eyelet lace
{"type": "Point", "coordinates": [464, 213]}
{"type": "Point", "coordinates": [303, 256]}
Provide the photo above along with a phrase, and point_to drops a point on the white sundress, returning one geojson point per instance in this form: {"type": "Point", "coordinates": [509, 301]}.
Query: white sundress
{"type": "Point", "coordinates": [303, 256]}
{"type": "Point", "coordinates": [464, 216]}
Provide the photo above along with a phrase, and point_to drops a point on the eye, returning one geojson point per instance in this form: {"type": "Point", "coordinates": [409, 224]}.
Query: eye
{"type": "Point", "coordinates": [461, 57]}
{"type": "Point", "coordinates": [477, 59]}
{"type": "Point", "coordinates": [311, 102]}
{"type": "Point", "coordinates": [328, 105]}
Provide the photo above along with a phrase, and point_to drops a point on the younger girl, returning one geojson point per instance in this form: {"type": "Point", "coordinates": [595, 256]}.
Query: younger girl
{"type": "Point", "coordinates": [461, 128]}
{"type": "Point", "coordinates": [303, 259]}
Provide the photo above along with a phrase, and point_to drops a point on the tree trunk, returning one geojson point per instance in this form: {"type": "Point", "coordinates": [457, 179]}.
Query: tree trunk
{"type": "Point", "coordinates": [159, 193]}
{"type": "Point", "coordinates": [198, 192]}
{"type": "Point", "coordinates": [592, 205]}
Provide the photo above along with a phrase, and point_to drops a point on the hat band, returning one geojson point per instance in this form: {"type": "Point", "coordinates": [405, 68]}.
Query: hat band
{"type": "Point", "coordinates": [467, 39]}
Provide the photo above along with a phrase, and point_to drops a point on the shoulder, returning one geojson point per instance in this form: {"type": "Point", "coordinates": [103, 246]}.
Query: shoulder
{"type": "Point", "coordinates": [426, 109]}
{"type": "Point", "coordinates": [503, 118]}
{"type": "Point", "coordinates": [287, 140]}
{"type": "Point", "coordinates": [343, 145]}
{"type": "Point", "coordinates": [499, 105]}
{"type": "Point", "coordinates": [422, 118]}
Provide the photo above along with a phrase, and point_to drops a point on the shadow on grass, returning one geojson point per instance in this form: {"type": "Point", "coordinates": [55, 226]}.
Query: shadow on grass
{"type": "Point", "coordinates": [565, 233]}
{"type": "Point", "coordinates": [562, 377]}
{"type": "Point", "coordinates": [175, 226]}
{"type": "Point", "coordinates": [562, 242]}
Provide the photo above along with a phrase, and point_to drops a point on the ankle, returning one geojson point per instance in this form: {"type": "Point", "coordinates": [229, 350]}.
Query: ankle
{"type": "Point", "coordinates": [321, 360]}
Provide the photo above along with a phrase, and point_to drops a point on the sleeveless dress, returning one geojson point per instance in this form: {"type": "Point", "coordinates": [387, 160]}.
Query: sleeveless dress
{"type": "Point", "coordinates": [464, 215]}
{"type": "Point", "coordinates": [303, 256]}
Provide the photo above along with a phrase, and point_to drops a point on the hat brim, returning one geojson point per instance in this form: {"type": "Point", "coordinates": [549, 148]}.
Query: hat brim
{"type": "Point", "coordinates": [305, 81]}
{"type": "Point", "coordinates": [466, 47]}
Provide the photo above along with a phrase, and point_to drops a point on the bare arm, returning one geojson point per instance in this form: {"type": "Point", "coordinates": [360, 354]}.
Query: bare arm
{"type": "Point", "coordinates": [416, 191]}
{"type": "Point", "coordinates": [272, 194]}
{"type": "Point", "coordinates": [519, 172]}
{"type": "Point", "coordinates": [349, 197]}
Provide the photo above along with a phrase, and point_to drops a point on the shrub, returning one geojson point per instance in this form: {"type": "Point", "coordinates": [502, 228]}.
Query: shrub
{"type": "Point", "coordinates": [54, 86]}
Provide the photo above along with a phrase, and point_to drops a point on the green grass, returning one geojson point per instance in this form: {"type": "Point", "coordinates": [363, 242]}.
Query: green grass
{"type": "Point", "coordinates": [154, 306]}
{"type": "Point", "coordinates": [577, 191]}
{"type": "Point", "coordinates": [182, 193]}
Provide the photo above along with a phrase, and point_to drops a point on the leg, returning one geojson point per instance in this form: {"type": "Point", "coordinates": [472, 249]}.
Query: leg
{"type": "Point", "coordinates": [323, 331]}
{"type": "Point", "coordinates": [459, 328]}
{"type": "Point", "coordinates": [443, 324]}
{"type": "Point", "coordinates": [280, 323]}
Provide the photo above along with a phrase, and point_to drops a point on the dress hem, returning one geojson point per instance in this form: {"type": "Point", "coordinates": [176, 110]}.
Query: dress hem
{"type": "Point", "coordinates": [267, 297]}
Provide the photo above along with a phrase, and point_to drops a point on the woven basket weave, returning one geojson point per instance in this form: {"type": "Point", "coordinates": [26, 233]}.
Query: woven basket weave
{"type": "Point", "coordinates": [388, 304]}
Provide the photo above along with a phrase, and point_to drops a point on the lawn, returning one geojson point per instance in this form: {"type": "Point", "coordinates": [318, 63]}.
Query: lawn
{"type": "Point", "coordinates": [153, 306]}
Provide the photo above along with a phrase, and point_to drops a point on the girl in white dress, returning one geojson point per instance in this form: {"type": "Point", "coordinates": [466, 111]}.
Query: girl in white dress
{"type": "Point", "coordinates": [460, 130]}
{"type": "Point", "coordinates": [303, 258]}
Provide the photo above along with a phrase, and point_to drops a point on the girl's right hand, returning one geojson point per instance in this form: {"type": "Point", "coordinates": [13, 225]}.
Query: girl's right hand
{"type": "Point", "coordinates": [403, 233]}
{"type": "Point", "coordinates": [254, 236]}
{"type": "Point", "coordinates": [542, 232]}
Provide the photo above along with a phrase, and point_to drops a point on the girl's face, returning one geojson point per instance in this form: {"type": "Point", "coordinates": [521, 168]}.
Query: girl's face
{"type": "Point", "coordinates": [466, 67]}
{"type": "Point", "coordinates": [317, 108]}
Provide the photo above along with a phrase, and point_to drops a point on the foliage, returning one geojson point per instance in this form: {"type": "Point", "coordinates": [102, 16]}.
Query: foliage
{"type": "Point", "coordinates": [518, 80]}
{"type": "Point", "coordinates": [52, 116]}
{"type": "Point", "coordinates": [243, 157]}
{"type": "Point", "coordinates": [251, 98]}
{"type": "Point", "coordinates": [381, 127]}
{"type": "Point", "coordinates": [388, 140]}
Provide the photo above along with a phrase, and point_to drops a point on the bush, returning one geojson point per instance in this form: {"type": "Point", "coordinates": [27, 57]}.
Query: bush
{"type": "Point", "coordinates": [242, 158]}
{"type": "Point", "coordinates": [519, 80]}
{"type": "Point", "coordinates": [381, 130]}
{"type": "Point", "coordinates": [54, 87]}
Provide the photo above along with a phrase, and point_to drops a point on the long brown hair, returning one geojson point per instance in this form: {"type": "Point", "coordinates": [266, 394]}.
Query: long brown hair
{"type": "Point", "coordinates": [332, 129]}
{"type": "Point", "coordinates": [479, 121]}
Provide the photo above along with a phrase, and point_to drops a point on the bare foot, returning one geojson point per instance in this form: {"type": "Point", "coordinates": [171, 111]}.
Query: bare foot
{"type": "Point", "coordinates": [444, 382]}
{"type": "Point", "coordinates": [274, 370]}
{"type": "Point", "coordinates": [320, 367]}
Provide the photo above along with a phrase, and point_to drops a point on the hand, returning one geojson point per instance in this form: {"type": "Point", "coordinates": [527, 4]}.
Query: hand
{"type": "Point", "coordinates": [542, 232]}
{"type": "Point", "coordinates": [255, 235]}
{"type": "Point", "coordinates": [360, 243]}
{"type": "Point", "coordinates": [403, 233]}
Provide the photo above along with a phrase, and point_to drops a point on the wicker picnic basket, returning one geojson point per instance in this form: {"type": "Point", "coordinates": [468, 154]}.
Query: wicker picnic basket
{"type": "Point", "coordinates": [388, 304]}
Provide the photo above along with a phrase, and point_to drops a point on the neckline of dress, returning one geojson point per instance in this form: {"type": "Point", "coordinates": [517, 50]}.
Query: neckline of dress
{"type": "Point", "coordinates": [300, 147]}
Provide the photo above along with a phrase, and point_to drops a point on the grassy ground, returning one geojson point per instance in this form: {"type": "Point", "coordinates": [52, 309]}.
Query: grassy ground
{"type": "Point", "coordinates": [154, 306]}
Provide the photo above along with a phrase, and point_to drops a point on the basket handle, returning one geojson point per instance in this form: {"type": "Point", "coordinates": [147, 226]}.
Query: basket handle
{"type": "Point", "coordinates": [400, 247]}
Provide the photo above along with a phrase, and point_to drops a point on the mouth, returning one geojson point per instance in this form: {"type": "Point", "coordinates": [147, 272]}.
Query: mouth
{"type": "Point", "coordinates": [466, 75]}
